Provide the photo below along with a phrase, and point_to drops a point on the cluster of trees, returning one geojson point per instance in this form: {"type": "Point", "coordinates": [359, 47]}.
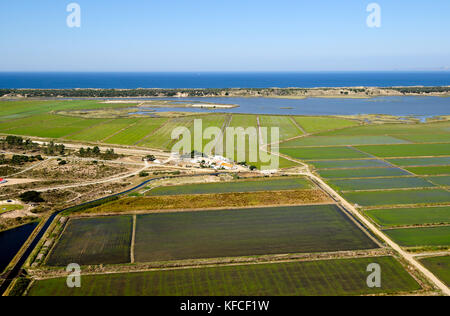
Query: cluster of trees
{"type": "Point", "coordinates": [149, 158]}
{"type": "Point", "coordinates": [18, 159]}
{"type": "Point", "coordinates": [31, 196]}
{"type": "Point", "coordinates": [18, 143]}
{"type": "Point", "coordinates": [110, 93]}
{"type": "Point", "coordinates": [52, 148]}
{"type": "Point", "coordinates": [245, 164]}
{"type": "Point", "coordinates": [95, 152]}
{"type": "Point", "coordinates": [418, 90]}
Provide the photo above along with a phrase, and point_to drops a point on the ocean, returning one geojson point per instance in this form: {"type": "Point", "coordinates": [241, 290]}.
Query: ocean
{"type": "Point", "coordinates": [60, 80]}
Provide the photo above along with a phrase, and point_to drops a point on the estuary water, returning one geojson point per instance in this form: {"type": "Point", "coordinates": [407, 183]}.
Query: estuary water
{"type": "Point", "coordinates": [401, 106]}
{"type": "Point", "coordinates": [11, 241]}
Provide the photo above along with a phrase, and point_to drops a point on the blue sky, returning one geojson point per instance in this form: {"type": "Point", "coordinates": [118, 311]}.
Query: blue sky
{"type": "Point", "coordinates": [224, 35]}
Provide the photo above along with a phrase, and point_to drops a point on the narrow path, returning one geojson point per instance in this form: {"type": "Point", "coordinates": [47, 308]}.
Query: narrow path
{"type": "Point", "coordinates": [298, 126]}
{"type": "Point", "coordinates": [118, 132]}
{"type": "Point", "coordinates": [124, 176]}
{"type": "Point", "coordinates": [30, 168]}
{"type": "Point", "coordinates": [133, 239]}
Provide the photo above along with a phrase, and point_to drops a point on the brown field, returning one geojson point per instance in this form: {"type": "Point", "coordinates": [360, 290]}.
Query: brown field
{"type": "Point", "coordinates": [132, 204]}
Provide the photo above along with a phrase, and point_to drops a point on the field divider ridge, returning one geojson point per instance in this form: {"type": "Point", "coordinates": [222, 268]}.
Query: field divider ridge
{"type": "Point", "coordinates": [133, 239]}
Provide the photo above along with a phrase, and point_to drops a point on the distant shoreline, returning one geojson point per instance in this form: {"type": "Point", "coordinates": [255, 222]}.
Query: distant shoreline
{"type": "Point", "coordinates": [284, 93]}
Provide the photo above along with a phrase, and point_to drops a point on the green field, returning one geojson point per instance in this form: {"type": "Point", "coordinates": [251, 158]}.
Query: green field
{"type": "Point", "coordinates": [379, 183]}
{"type": "Point", "coordinates": [442, 181]}
{"type": "Point", "coordinates": [102, 131]}
{"type": "Point", "coordinates": [137, 132]}
{"type": "Point", "coordinates": [315, 153]}
{"type": "Point", "coordinates": [440, 266]}
{"type": "Point", "coordinates": [416, 237]}
{"type": "Point", "coordinates": [89, 241]}
{"type": "Point", "coordinates": [161, 138]}
{"type": "Point", "coordinates": [410, 216]}
{"type": "Point", "coordinates": [407, 150]}
{"type": "Point", "coordinates": [287, 128]}
{"type": "Point", "coordinates": [362, 173]}
{"type": "Point", "coordinates": [319, 124]}
{"type": "Point", "coordinates": [265, 184]}
{"type": "Point", "coordinates": [400, 130]}
{"type": "Point", "coordinates": [431, 171]}
{"type": "Point", "coordinates": [412, 162]}
{"type": "Point", "coordinates": [328, 277]}
{"type": "Point", "coordinates": [349, 164]}
{"type": "Point", "coordinates": [397, 197]}
{"type": "Point", "coordinates": [9, 208]}
{"type": "Point", "coordinates": [246, 232]}
{"type": "Point", "coordinates": [341, 140]}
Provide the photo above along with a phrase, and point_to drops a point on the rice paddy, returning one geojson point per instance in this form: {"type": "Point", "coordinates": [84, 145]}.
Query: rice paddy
{"type": "Point", "coordinates": [254, 185]}
{"type": "Point", "coordinates": [421, 237]}
{"type": "Point", "coordinates": [324, 277]}
{"type": "Point", "coordinates": [410, 216]}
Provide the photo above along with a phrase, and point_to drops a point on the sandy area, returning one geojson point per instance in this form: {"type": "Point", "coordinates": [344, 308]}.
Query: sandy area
{"type": "Point", "coordinates": [17, 181]}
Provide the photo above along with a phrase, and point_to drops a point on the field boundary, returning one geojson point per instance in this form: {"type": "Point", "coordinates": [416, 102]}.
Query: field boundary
{"type": "Point", "coordinates": [57, 272]}
{"type": "Point", "coordinates": [151, 133]}
{"type": "Point", "coordinates": [160, 211]}
{"type": "Point", "coordinates": [118, 132]}
{"type": "Point", "coordinates": [133, 239]}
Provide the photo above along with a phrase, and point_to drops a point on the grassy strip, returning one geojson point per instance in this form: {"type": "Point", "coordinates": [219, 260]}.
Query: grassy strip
{"type": "Point", "coordinates": [84, 207]}
{"type": "Point", "coordinates": [273, 198]}
{"type": "Point", "coordinates": [254, 185]}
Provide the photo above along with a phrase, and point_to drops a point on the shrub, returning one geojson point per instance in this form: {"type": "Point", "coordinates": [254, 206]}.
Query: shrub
{"type": "Point", "coordinates": [31, 196]}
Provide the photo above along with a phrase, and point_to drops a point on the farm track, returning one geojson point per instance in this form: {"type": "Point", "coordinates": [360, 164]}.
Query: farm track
{"type": "Point", "coordinates": [151, 134]}
{"type": "Point", "coordinates": [298, 126]}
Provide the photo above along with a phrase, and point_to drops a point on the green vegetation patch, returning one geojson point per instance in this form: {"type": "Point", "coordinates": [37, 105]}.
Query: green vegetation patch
{"type": "Point", "coordinates": [287, 127]}
{"type": "Point", "coordinates": [10, 207]}
{"type": "Point", "coordinates": [161, 138]}
{"type": "Point", "coordinates": [424, 236]}
{"type": "Point", "coordinates": [411, 162]}
{"type": "Point", "coordinates": [362, 173]}
{"type": "Point", "coordinates": [380, 183]}
{"type": "Point", "coordinates": [100, 132]}
{"type": "Point", "coordinates": [442, 181]}
{"type": "Point", "coordinates": [427, 138]}
{"type": "Point", "coordinates": [349, 164]}
{"type": "Point", "coordinates": [265, 184]}
{"type": "Point", "coordinates": [431, 171]}
{"type": "Point", "coordinates": [410, 216]}
{"type": "Point", "coordinates": [314, 153]}
{"type": "Point", "coordinates": [136, 132]}
{"type": "Point", "coordinates": [440, 266]}
{"type": "Point", "coordinates": [342, 140]}
{"type": "Point", "coordinates": [400, 130]}
{"type": "Point", "coordinates": [407, 150]}
{"type": "Point", "coordinates": [327, 277]}
{"type": "Point", "coordinates": [397, 197]}
{"type": "Point", "coordinates": [246, 232]}
{"type": "Point", "coordinates": [319, 124]}
{"type": "Point", "coordinates": [88, 241]}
